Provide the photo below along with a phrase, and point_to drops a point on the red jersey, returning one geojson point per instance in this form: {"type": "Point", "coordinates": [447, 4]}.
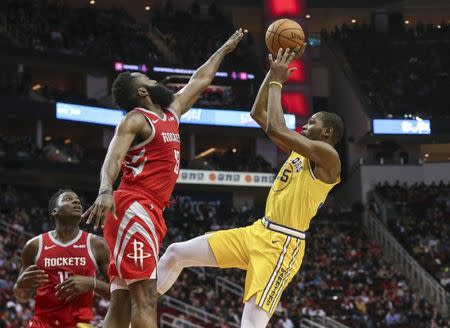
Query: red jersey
{"type": "Point", "coordinates": [60, 261]}
{"type": "Point", "coordinates": [151, 168]}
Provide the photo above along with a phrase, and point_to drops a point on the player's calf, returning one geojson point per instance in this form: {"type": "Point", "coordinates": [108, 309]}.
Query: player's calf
{"type": "Point", "coordinates": [119, 311]}
{"type": "Point", "coordinates": [143, 304]}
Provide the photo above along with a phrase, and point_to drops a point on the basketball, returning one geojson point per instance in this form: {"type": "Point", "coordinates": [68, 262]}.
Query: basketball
{"type": "Point", "coordinates": [284, 33]}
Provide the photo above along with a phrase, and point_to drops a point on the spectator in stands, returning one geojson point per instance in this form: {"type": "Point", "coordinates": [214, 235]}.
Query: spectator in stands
{"type": "Point", "coordinates": [349, 281]}
{"type": "Point", "coordinates": [89, 31]}
{"type": "Point", "coordinates": [403, 72]}
{"type": "Point", "coordinates": [421, 223]}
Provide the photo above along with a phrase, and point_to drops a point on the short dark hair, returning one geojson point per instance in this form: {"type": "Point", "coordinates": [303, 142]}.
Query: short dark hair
{"type": "Point", "coordinates": [334, 121]}
{"type": "Point", "coordinates": [123, 91]}
{"type": "Point", "coordinates": [54, 200]}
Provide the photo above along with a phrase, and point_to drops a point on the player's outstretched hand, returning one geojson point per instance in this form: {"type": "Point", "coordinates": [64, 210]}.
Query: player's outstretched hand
{"type": "Point", "coordinates": [74, 286]}
{"type": "Point", "coordinates": [234, 40]}
{"type": "Point", "coordinates": [97, 212]}
{"type": "Point", "coordinates": [32, 278]}
{"type": "Point", "coordinates": [279, 68]}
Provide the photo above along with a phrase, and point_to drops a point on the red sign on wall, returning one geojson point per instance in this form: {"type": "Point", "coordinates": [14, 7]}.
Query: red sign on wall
{"type": "Point", "coordinates": [286, 8]}
{"type": "Point", "coordinates": [300, 75]}
{"type": "Point", "coordinates": [295, 103]}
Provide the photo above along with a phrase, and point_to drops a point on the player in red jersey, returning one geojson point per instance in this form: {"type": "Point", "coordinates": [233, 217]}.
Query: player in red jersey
{"type": "Point", "coordinates": [59, 268]}
{"type": "Point", "coordinates": [146, 144]}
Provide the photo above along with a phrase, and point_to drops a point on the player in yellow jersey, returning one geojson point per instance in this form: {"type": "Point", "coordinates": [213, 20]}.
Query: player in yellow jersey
{"type": "Point", "coordinates": [270, 250]}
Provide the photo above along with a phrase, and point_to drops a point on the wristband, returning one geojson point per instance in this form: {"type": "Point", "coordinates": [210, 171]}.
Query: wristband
{"type": "Point", "coordinates": [276, 83]}
{"type": "Point", "coordinates": [95, 284]}
{"type": "Point", "coordinates": [105, 191]}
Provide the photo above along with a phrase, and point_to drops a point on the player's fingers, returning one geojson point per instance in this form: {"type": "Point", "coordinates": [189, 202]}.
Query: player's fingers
{"type": "Point", "coordinates": [61, 287]}
{"type": "Point", "coordinates": [113, 210]}
{"type": "Point", "coordinates": [286, 55]}
{"type": "Point", "coordinates": [70, 297]}
{"type": "Point", "coordinates": [87, 212]}
{"type": "Point", "coordinates": [39, 280]}
{"type": "Point", "coordinates": [271, 60]}
{"type": "Point", "coordinates": [31, 268]}
{"type": "Point", "coordinates": [236, 34]}
{"type": "Point", "coordinates": [38, 283]}
{"type": "Point", "coordinates": [64, 284]}
{"type": "Point", "coordinates": [92, 214]}
{"type": "Point", "coordinates": [99, 217]}
{"type": "Point", "coordinates": [43, 282]}
{"type": "Point", "coordinates": [35, 274]}
{"type": "Point", "coordinates": [279, 55]}
{"type": "Point", "coordinates": [302, 49]}
{"type": "Point", "coordinates": [292, 56]}
{"type": "Point", "coordinates": [62, 294]}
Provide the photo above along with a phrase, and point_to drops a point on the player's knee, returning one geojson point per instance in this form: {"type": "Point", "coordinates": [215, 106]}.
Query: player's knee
{"type": "Point", "coordinates": [173, 254]}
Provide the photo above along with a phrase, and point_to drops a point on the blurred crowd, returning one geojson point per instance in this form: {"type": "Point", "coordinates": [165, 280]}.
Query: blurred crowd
{"type": "Point", "coordinates": [50, 25]}
{"type": "Point", "coordinates": [192, 35]}
{"type": "Point", "coordinates": [232, 160]}
{"type": "Point", "coordinates": [403, 71]}
{"type": "Point", "coordinates": [24, 147]}
{"type": "Point", "coordinates": [196, 32]}
{"type": "Point", "coordinates": [22, 216]}
{"type": "Point", "coordinates": [344, 275]}
{"type": "Point", "coordinates": [422, 224]}
{"type": "Point", "coordinates": [70, 151]}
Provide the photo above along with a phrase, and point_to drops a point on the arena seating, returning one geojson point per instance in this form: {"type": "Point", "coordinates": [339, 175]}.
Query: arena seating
{"type": "Point", "coordinates": [24, 147]}
{"type": "Point", "coordinates": [342, 275]}
{"type": "Point", "coordinates": [70, 151]}
{"type": "Point", "coordinates": [422, 225]}
{"type": "Point", "coordinates": [53, 26]}
{"type": "Point", "coordinates": [403, 72]}
{"type": "Point", "coordinates": [195, 34]}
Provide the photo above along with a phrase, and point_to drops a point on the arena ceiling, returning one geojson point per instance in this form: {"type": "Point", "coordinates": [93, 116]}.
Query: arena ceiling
{"type": "Point", "coordinates": [136, 7]}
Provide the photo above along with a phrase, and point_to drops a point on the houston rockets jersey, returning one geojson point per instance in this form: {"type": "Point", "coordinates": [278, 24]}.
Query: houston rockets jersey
{"type": "Point", "coordinates": [60, 261]}
{"type": "Point", "coordinates": [152, 167]}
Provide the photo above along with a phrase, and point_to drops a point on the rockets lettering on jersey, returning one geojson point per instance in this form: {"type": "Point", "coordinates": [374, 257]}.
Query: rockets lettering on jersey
{"type": "Point", "coordinates": [152, 167]}
{"type": "Point", "coordinates": [64, 261]}
{"type": "Point", "coordinates": [60, 261]}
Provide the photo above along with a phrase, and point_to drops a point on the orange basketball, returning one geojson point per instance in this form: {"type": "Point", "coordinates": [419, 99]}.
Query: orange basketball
{"type": "Point", "coordinates": [284, 33]}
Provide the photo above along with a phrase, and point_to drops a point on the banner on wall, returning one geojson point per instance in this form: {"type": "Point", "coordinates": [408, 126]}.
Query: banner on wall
{"type": "Point", "coordinates": [226, 178]}
{"type": "Point", "coordinates": [202, 116]}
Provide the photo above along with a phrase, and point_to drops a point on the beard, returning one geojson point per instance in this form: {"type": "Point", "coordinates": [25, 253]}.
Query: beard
{"type": "Point", "coordinates": [160, 95]}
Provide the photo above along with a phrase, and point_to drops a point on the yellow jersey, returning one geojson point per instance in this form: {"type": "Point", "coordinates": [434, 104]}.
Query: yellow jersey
{"type": "Point", "coordinates": [296, 194]}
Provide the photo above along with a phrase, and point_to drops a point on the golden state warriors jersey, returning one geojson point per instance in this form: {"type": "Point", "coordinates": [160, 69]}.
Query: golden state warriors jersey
{"type": "Point", "coordinates": [296, 194]}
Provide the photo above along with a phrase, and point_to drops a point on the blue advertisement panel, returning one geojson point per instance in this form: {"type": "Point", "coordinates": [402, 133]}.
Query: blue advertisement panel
{"type": "Point", "coordinates": [203, 116]}
{"type": "Point", "coordinates": [401, 126]}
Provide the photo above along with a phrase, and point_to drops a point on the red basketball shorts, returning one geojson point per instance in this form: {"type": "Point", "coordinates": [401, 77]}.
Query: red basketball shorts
{"type": "Point", "coordinates": [134, 236]}
{"type": "Point", "coordinates": [48, 323]}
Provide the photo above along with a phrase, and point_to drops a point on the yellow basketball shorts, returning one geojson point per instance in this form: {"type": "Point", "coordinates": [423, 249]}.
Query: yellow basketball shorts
{"type": "Point", "coordinates": [270, 258]}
